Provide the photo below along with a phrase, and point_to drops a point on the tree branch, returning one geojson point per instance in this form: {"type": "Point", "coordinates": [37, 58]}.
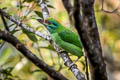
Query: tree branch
{"type": "Point", "coordinates": [63, 54]}
{"type": "Point", "coordinates": [6, 28]}
{"type": "Point", "coordinates": [43, 6]}
{"type": "Point", "coordinates": [69, 8]}
{"type": "Point", "coordinates": [106, 11]}
{"type": "Point", "coordinates": [20, 47]}
{"type": "Point", "coordinates": [24, 26]}
{"type": "Point", "coordinates": [4, 22]}
{"type": "Point", "coordinates": [36, 62]}
{"type": "Point", "coordinates": [88, 32]}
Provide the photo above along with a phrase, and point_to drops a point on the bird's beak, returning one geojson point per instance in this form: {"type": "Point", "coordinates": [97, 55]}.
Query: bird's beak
{"type": "Point", "coordinates": [42, 22]}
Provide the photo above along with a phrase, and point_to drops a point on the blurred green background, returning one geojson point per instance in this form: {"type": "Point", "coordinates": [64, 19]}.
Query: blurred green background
{"type": "Point", "coordinates": [14, 66]}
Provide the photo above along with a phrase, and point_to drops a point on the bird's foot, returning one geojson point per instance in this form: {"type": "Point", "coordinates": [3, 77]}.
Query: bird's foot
{"type": "Point", "coordinates": [71, 65]}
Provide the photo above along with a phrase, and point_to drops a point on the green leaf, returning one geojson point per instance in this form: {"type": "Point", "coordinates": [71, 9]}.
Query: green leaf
{"type": "Point", "coordinates": [30, 35]}
{"type": "Point", "coordinates": [50, 6]}
{"type": "Point", "coordinates": [9, 69]}
{"type": "Point", "coordinates": [14, 31]}
{"type": "Point", "coordinates": [39, 14]}
{"type": "Point", "coordinates": [28, 0]}
{"type": "Point", "coordinates": [46, 0]}
{"type": "Point", "coordinates": [50, 47]}
{"type": "Point", "coordinates": [37, 70]}
{"type": "Point", "coordinates": [4, 54]}
{"type": "Point", "coordinates": [4, 8]}
{"type": "Point", "coordinates": [11, 25]}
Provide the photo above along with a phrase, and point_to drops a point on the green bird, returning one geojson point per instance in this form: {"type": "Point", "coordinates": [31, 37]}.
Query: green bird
{"type": "Point", "coordinates": [64, 38]}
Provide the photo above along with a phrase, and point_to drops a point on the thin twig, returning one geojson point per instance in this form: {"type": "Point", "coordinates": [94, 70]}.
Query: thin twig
{"type": "Point", "coordinates": [2, 44]}
{"type": "Point", "coordinates": [69, 8]}
{"type": "Point", "coordinates": [86, 64]}
{"type": "Point", "coordinates": [106, 11]}
{"type": "Point", "coordinates": [113, 11]}
{"type": "Point", "coordinates": [40, 53]}
{"type": "Point", "coordinates": [25, 26]}
{"type": "Point", "coordinates": [51, 55]}
{"type": "Point", "coordinates": [6, 28]}
{"type": "Point", "coordinates": [60, 64]}
{"type": "Point", "coordinates": [4, 22]}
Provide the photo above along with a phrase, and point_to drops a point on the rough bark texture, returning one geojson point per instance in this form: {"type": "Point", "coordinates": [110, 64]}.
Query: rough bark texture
{"type": "Point", "coordinates": [20, 47]}
{"type": "Point", "coordinates": [74, 68]}
{"type": "Point", "coordinates": [88, 31]}
{"type": "Point", "coordinates": [24, 26]}
{"type": "Point", "coordinates": [63, 54]}
{"type": "Point", "coordinates": [68, 6]}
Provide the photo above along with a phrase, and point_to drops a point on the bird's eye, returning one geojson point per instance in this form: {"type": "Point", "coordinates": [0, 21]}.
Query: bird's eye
{"type": "Point", "coordinates": [55, 24]}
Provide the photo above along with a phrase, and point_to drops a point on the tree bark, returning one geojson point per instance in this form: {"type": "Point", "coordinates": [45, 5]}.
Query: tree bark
{"type": "Point", "coordinates": [88, 32]}
{"type": "Point", "coordinates": [5, 35]}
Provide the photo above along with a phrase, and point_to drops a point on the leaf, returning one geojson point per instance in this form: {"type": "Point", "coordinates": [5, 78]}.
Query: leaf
{"type": "Point", "coordinates": [30, 35]}
{"type": "Point", "coordinates": [50, 47]}
{"type": "Point", "coordinates": [28, 0]}
{"type": "Point", "coordinates": [46, 0]}
{"type": "Point", "coordinates": [9, 69]}
{"type": "Point", "coordinates": [4, 54]}
{"type": "Point", "coordinates": [4, 8]}
{"type": "Point", "coordinates": [14, 31]}
{"type": "Point", "coordinates": [50, 6]}
{"type": "Point", "coordinates": [39, 14]}
{"type": "Point", "coordinates": [11, 25]}
{"type": "Point", "coordinates": [37, 70]}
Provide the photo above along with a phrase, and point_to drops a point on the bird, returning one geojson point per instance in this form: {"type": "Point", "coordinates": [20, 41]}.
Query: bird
{"type": "Point", "coordinates": [64, 38]}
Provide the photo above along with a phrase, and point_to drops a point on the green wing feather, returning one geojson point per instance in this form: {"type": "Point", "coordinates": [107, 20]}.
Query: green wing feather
{"type": "Point", "coordinates": [66, 45]}
{"type": "Point", "coordinates": [70, 37]}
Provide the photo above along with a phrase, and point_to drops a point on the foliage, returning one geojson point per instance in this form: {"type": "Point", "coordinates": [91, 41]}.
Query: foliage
{"type": "Point", "coordinates": [15, 66]}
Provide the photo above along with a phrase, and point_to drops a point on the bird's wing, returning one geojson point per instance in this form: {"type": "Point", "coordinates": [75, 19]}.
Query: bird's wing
{"type": "Point", "coordinates": [70, 37]}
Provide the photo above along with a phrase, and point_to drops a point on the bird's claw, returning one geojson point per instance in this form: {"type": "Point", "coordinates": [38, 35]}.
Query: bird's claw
{"type": "Point", "coordinates": [71, 65]}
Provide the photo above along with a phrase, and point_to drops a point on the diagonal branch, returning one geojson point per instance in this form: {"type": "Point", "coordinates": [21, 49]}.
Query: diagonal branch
{"type": "Point", "coordinates": [24, 26]}
{"type": "Point", "coordinates": [20, 47]}
{"type": "Point", "coordinates": [43, 6]}
{"type": "Point", "coordinates": [69, 8]}
{"type": "Point", "coordinates": [63, 54]}
{"type": "Point", "coordinates": [5, 26]}
{"type": "Point", "coordinates": [4, 22]}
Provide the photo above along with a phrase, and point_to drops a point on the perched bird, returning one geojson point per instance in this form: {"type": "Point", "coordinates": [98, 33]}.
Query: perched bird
{"type": "Point", "coordinates": [64, 38]}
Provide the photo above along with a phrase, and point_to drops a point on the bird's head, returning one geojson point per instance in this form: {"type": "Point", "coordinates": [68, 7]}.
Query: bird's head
{"type": "Point", "coordinates": [52, 25]}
